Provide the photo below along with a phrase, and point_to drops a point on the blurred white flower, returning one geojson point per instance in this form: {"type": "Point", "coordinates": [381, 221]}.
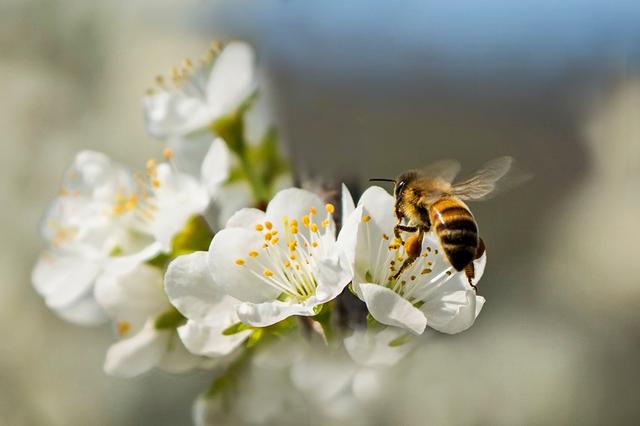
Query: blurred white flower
{"type": "Point", "coordinates": [183, 111]}
{"type": "Point", "coordinates": [208, 310]}
{"type": "Point", "coordinates": [82, 232]}
{"type": "Point", "coordinates": [107, 219]}
{"type": "Point", "coordinates": [430, 292]}
{"type": "Point", "coordinates": [145, 322]}
{"type": "Point", "coordinates": [342, 383]}
{"type": "Point", "coordinates": [281, 262]}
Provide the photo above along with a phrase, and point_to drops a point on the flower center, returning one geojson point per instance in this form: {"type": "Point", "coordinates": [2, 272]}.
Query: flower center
{"type": "Point", "coordinates": [288, 264]}
{"type": "Point", "coordinates": [415, 279]}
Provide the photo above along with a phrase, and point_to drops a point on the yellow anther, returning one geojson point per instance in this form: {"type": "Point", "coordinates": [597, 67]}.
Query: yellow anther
{"type": "Point", "coordinates": [187, 63]}
{"type": "Point", "coordinates": [155, 183]}
{"type": "Point", "coordinates": [253, 253]}
{"type": "Point", "coordinates": [287, 264]}
{"type": "Point", "coordinates": [118, 209]}
{"type": "Point", "coordinates": [413, 277]}
{"type": "Point", "coordinates": [293, 257]}
{"type": "Point", "coordinates": [403, 282]}
{"type": "Point", "coordinates": [306, 220]}
{"type": "Point", "coordinates": [400, 258]}
{"type": "Point", "coordinates": [429, 263]}
{"type": "Point", "coordinates": [329, 208]}
{"type": "Point", "coordinates": [259, 228]}
{"type": "Point", "coordinates": [313, 211]}
{"type": "Point", "coordinates": [267, 236]}
{"type": "Point", "coordinates": [293, 245]}
{"type": "Point", "coordinates": [265, 245]}
{"type": "Point", "coordinates": [435, 251]}
{"type": "Point", "coordinates": [268, 273]}
{"type": "Point", "coordinates": [131, 202]}
{"type": "Point", "coordinates": [274, 232]}
{"type": "Point", "coordinates": [425, 271]}
{"type": "Point", "coordinates": [268, 225]}
{"type": "Point", "coordinates": [294, 222]}
{"type": "Point", "coordinates": [175, 74]}
{"type": "Point", "coordinates": [151, 164]}
{"type": "Point", "coordinates": [294, 229]}
{"type": "Point", "coordinates": [366, 218]}
{"type": "Point", "coordinates": [325, 223]}
{"type": "Point", "coordinates": [385, 237]}
{"type": "Point", "coordinates": [313, 227]}
{"type": "Point", "coordinates": [123, 327]}
{"type": "Point", "coordinates": [167, 153]}
{"type": "Point", "coordinates": [314, 244]}
{"type": "Point", "coordinates": [239, 262]}
{"type": "Point", "coordinates": [285, 220]}
{"type": "Point", "coordinates": [275, 240]}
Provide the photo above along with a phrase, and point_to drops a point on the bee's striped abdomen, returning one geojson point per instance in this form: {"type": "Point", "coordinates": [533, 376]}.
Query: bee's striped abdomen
{"type": "Point", "coordinates": [456, 229]}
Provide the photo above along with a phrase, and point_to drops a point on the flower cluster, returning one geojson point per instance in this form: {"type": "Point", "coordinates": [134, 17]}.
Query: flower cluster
{"type": "Point", "coordinates": [211, 259]}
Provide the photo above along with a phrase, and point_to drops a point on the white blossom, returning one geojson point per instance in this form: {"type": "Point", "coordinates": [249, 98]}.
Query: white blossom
{"type": "Point", "coordinates": [429, 293]}
{"type": "Point", "coordinates": [136, 303]}
{"type": "Point", "coordinates": [108, 219]}
{"type": "Point", "coordinates": [181, 112]}
{"type": "Point", "coordinates": [209, 311]}
{"type": "Point", "coordinates": [281, 262]}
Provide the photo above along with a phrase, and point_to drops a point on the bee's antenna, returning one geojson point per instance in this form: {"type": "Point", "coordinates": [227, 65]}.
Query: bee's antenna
{"type": "Point", "coordinates": [382, 180]}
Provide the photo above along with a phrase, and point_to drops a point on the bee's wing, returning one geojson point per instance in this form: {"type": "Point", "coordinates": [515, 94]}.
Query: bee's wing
{"type": "Point", "coordinates": [446, 170]}
{"type": "Point", "coordinates": [494, 177]}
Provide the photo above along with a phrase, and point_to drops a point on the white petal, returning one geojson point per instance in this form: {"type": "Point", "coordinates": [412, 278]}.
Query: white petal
{"type": "Point", "coordinates": [137, 354]}
{"type": "Point", "coordinates": [133, 296]}
{"type": "Point", "coordinates": [226, 247]}
{"type": "Point", "coordinates": [372, 348]}
{"type": "Point", "coordinates": [232, 78]}
{"type": "Point", "coordinates": [379, 204]}
{"type": "Point", "coordinates": [294, 203]}
{"type": "Point", "coordinates": [202, 339]}
{"type": "Point", "coordinates": [123, 264]}
{"type": "Point", "coordinates": [230, 198]}
{"type": "Point", "coordinates": [389, 308]}
{"type": "Point", "coordinates": [453, 312]}
{"type": "Point", "coordinates": [216, 166]}
{"type": "Point", "coordinates": [190, 288]}
{"type": "Point", "coordinates": [174, 113]}
{"type": "Point", "coordinates": [189, 151]}
{"type": "Point", "coordinates": [177, 359]}
{"type": "Point", "coordinates": [332, 272]}
{"type": "Point", "coordinates": [347, 203]}
{"type": "Point", "coordinates": [63, 279]}
{"type": "Point", "coordinates": [178, 198]}
{"type": "Point", "coordinates": [367, 384]}
{"type": "Point", "coordinates": [245, 218]}
{"type": "Point", "coordinates": [348, 236]}
{"type": "Point", "coordinates": [268, 313]}
{"type": "Point", "coordinates": [85, 311]}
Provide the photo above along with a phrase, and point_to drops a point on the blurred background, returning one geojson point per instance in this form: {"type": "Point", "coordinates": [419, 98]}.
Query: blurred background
{"type": "Point", "coordinates": [360, 89]}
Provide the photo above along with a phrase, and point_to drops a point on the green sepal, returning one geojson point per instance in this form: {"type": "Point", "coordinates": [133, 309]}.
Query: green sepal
{"type": "Point", "coordinates": [236, 328]}
{"type": "Point", "coordinates": [399, 341]}
{"type": "Point", "coordinates": [170, 320]}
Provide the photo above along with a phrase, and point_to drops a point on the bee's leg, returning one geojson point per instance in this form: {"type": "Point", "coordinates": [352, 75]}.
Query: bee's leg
{"type": "Point", "coordinates": [402, 228]}
{"type": "Point", "coordinates": [470, 273]}
{"type": "Point", "coordinates": [412, 249]}
{"type": "Point", "coordinates": [470, 270]}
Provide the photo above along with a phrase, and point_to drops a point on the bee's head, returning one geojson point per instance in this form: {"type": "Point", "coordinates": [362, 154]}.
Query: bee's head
{"type": "Point", "coordinates": [402, 182]}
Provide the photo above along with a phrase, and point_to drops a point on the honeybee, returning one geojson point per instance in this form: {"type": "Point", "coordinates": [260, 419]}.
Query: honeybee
{"type": "Point", "coordinates": [428, 199]}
